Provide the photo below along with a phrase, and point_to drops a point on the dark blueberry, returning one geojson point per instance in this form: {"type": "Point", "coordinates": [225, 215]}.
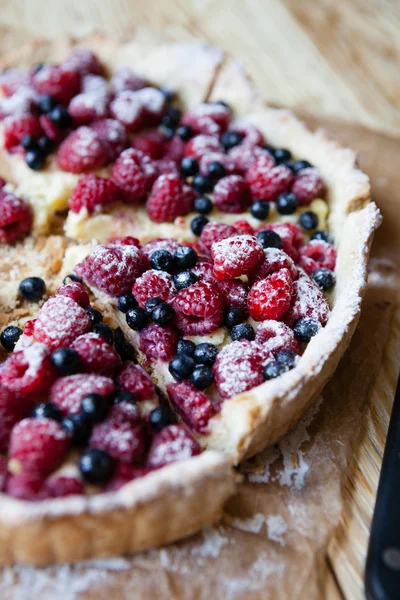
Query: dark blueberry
{"type": "Point", "coordinates": [95, 407]}
{"type": "Point", "coordinates": [273, 369]}
{"type": "Point", "coordinates": [163, 314]}
{"type": "Point", "coordinates": [35, 159]}
{"type": "Point", "coordinates": [10, 336]}
{"type": "Point", "coordinates": [197, 224]}
{"type": "Point", "coordinates": [269, 239]}
{"type": "Point", "coordinates": [124, 396]}
{"type": "Point", "coordinates": [299, 165]}
{"type": "Point", "coordinates": [185, 257]}
{"type": "Point", "coordinates": [78, 428]}
{"type": "Point", "coordinates": [105, 331]}
{"type": "Point", "coordinates": [32, 288]}
{"type": "Point", "coordinates": [37, 67]}
{"type": "Point", "coordinates": [136, 318]}
{"type": "Point", "coordinates": [29, 142]}
{"type": "Point", "coordinates": [244, 331]}
{"type": "Point", "coordinates": [46, 103]}
{"type": "Point", "coordinates": [72, 277]}
{"type": "Point", "coordinates": [162, 260]}
{"type": "Point", "coordinates": [324, 278]}
{"type": "Point", "coordinates": [95, 315]}
{"type": "Point", "coordinates": [167, 132]}
{"type": "Point", "coordinates": [202, 184]}
{"type": "Point", "coordinates": [168, 94]}
{"type": "Point", "coordinates": [171, 117]}
{"type": "Point", "coordinates": [47, 410]}
{"type": "Point", "coordinates": [181, 366]}
{"type": "Point", "coordinates": [306, 328]}
{"type": "Point", "coordinates": [46, 145]}
{"type": "Point", "coordinates": [233, 315]}
{"type": "Point", "coordinates": [150, 305]}
{"type": "Point", "coordinates": [125, 350]}
{"type": "Point", "coordinates": [287, 358]}
{"type": "Point", "coordinates": [205, 354]}
{"type": "Point", "coordinates": [160, 417]}
{"type": "Point", "coordinates": [322, 235]}
{"type": "Point", "coordinates": [96, 466]}
{"type": "Point", "coordinates": [287, 203]}
{"type": "Point", "coordinates": [270, 149]}
{"type": "Point", "coordinates": [260, 209]}
{"type": "Point", "coordinates": [126, 302]}
{"type": "Point", "coordinates": [202, 377]}
{"type": "Point", "coordinates": [184, 279]}
{"type": "Point", "coordinates": [216, 170]}
{"type": "Point", "coordinates": [282, 155]}
{"type": "Point", "coordinates": [308, 220]}
{"type": "Point", "coordinates": [185, 132]}
{"type": "Point", "coordinates": [229, 139]}
{"type": "Point", "coordinates": [203, 205]}
{"type": "Point", "coordinates": [185, 347]}
{"type": "Point", "coordinates": [65, 360]}
{"type": "Point", "coordinates": [189, 166]}
{"type": "Point", "coordinates": [60, 116]}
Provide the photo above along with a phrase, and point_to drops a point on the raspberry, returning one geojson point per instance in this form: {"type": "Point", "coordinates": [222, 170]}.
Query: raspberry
{"type": "Point", "coordinates": [266, 182]}
{"type": "Point", "coordinates": [169, 198]}
{"type": "Point", "coordinates": [20, 103]}
{"type": "Point", "coordinates": [29, 327]}
{"type": "Point", "coordinates": [158, 244]}
{"type": "Point", "coordinates": [291, 237]}
{"type": "Point", "coordinates": [60, 321]}
{"type": "Point", "coordinates": [270, 298]}
{"type": "Point", "coordinates": [124, 474]}
{"type": "Point", "coordinates": [84, 61]}
{"type": "Point", "coordinates": [202, 144]}
{"type": "Point", "coordinates": [28, 372]}
{"type": "Point", "coordinates": [135, 380]}
{"type": "Point", "coordinates": [219, 157]}
{"type": "Point", "coordinates": [152, 143]}
{"type": "Point", "coordinates": [274, 260]}
{"type": "Point", "coordinates": [199, 308]}
{"type": "Point", "coordinates": [153, 104]}
{"type": "Point", "coordinates": [158, 342]}
{"type": "Point", "coordinates": [308, 301]}
{"type": "Point", "coordinates": [128, 110]}
{"type": "Point", "coordinates": [126, 241]}
{"type": "Point", "coordinates": [88, 106]}
{"type": "Point", "coordinates": [208, 119]}
{"type": "Point", "coordinates": [123, 441]}
{"type": "Point", "coordinates": [203, 269]}
{"type": "Point", "coordinates": [67, 392]}
{"type": "Point", "coordinates": [112, 136]}
{"type": "Point", "coordinates": [92, 192]}
{"type": "Point", "coordinates": [244, 155]}
{"type": "Point", "coordinates": [234, 292]}
{"type": "Point", "coordinates": [38, 445]}
{"type": "Point", "coordinates": [193, 406]}
{"type": "Point", "coordinates": [244, 227]}
{"type": "Point", "coordinates": [125, 78]}
{"type": "Point", "coordinates": [251, 135]}
{"type": "Point", "coordinates": [96, 355]}
{"type": "Point", "coordinates": [154, 284]}
{"type": "Point", "coordinates": [94, 83]}
{"type": "Point", "coordinates": [15, 218]}
{"type": "Point", "coordinates": [54, 132]}
{"type": "Point", "coordinates": [111, 268]}
{"type": "Point", "coordinates": [133, 173]}
{"type": "Point", "coordinates": [317, 254]}
{"type": "Point", "coordinates": [123, 412]}
{"type": "Point", "coordinates": [173, 443]}
{"type": "Point", "coordinates": [3, 473]}
{"type": "Point", "coordinates": [15, 128]}
{"type": "Point", "coordinates": [175, 149]}
{"type": "Point", "coordinates": [58, 487]}
{"type": "Point", "coordinates": [214, 232]}
{"type": "Point", "coordinates": [275, 336]}
{"type": "Point", "coordinates": [238, 368]}
{"type": "Point", "coordinates": [235, 256]}
{"type": "Point", "coordinates": [308, 185]}
{"type": "Point", "coordinates": [57, 81]}
{"type": "Point", "coordinates": [13, 80]}
{"type": "Point", "coordinates": [12, 410]}
{"type": "Point", "coordinates": [232, 194]}
{"type": "Point", "coordinates": [76, 291]}
{"type": "Point", "coordinates": [81, 151]}
{"type": "Point", "coordinates": [26, 486]}
{"type": "Point", "coordinates": [164, 166]}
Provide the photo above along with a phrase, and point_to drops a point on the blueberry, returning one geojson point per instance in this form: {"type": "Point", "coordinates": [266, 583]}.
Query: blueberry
{"type": "Point", "coordinates": [181, 366]}
{"type": "Point", "coordinates": [306, 328]}
{"type": "Point", "coordinates": [202, 184]}
{"type": "Point", "coordinates": [202, 377]}
{"type": "Point", "coordinates": [65, 360]}
{"type": "Point", "coordinates": [125, 350]}
{"type": "Point", "coordinates": [72, 277]}
{"type": "Point", "coordinates": [10, 336]}
{"type": "Point", "coordinates": [168, 94]}
{"type": "Point", "coordinates": [185, 257]}
{"type": "Point", "coordinates": [160, 417]}
{"type": "Point", "coordinates": [162, 260]}
{"type": "Point", "coordinates": [282, 155]}
{"type": "Point", "coordinates": [308, 220]}
{"type": "Point", "coordinates": [150, 305]}
{"type": "Point", "coordinates": [233, 315]}
{"type": "Point", "coordinates": [185, 347]}
{"type": "Point", "coordinates": [105, 331]}
{"type": "Point", "coordinates": [287, 358]}
{"type": "Point", "coordinates": [37, 67]}
{"type": "Point", "coordinates": [203, 205]}
{"type": "Point", "coordinates": [126, 302]}
{"type": "Point", "coordinates": [29, 142]}
{"type": "Point", "coordinates": [124, 396]}
{"type": "Point", "coordinates": [216, 170]}
{"type": "Point", "coordinates": [198, 223]}
{"type": "Point", "coordinates": [171, 117]}
{"type": "Point", "coordinates": [205, 354]}
{"type": "Point", "coordinates": [95, 407]}
{"type": "Point", "coordinates": [47, 410]}
{"type": "Point", "coordinates": [299, 165]}
{"type": "Point", "coordinates": [189, 166]}
{"type": "Point", "coordinates": [270, 149]}
{"type": "Point", "coordinates": [96, 466]}
{"type": "Point", "coordinates": [229, 139]}
{"type": "Point", "coordinates": [269, 239]}
{"type": "Point", "coordinates": [287, 203]}
{"type": "Point", "coordinates": [136, 318]}
{"type": "Point", "coordinates": [324, 278]}
{"type": "Point", "coordinates": [244, 331]}
{"type": "Point", "coordinates": [184, 279]}
{"type": "Point", "coordinates": [32, 289]}
{"type": "Point", "coordinates": [78, 428]}
{"type": "Point", "coordinates": [322, 235]}
{"type": "Point", "coordinates": [260, 209]}
{"type": "Point", "coordinates": [95, 315]}
{"type": "Point", "coordinates": [46, 145]}
{"type": "Point", "coordinates": [35, 159]}
{"type": "Point", "coordinates": [163, 314]}
{"type": "Point", "coordinates": [46, 103]}
{"type": "Point", "coordinates": [185, 132]}
{"type": "Point", "coordinates": [273, 369]}
{"type": "Point", "coordinates": [60, 116]}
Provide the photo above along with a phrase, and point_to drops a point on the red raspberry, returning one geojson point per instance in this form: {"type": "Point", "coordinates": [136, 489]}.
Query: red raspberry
{"type": "Point", "coordinates": [158, 244]}
{"type": "Point", "coordinates": [173, 443]}
{"type": "Point", "coordinates": [15, 128]}
{"type": "Point", "coordinates": [126, 241]}
{"type": "Point", "coordinates": [123, 441]}
{"type": "Point", "coordinates": [244, 155]}
{"type": "Point", "coordinates": [275, 336]}
{"type": "Point", "coordinates": [84, 61]}
{"type": "Point", "coordinates": [219, 157]}
{"type": "Point", "coordinates": [199, 308]}
{"type": "Point", "coordinates": [234, 292]}
{"type": "Point", "coordinates": [95, 83]}
{"type": "Point", "coordinates": [208, 119]}
{"type": "Point", "coordinates": [93, 192]}
{"type": "Point", "coordinates": [158, 342]}
{"type": "Point", "coordinates": [51, 130]}
{"type": "Point", "coordinates": [29, 327]}
{"type": "Point", "coordinates": [28, 372]}
{"type": "Point", "coordinates": [235, 256]}
{"type": "Point", "coordinates": [317, 254]}
{"type": "Point", "coordinates": [26, 486]}
{"type": "Point", "coordinates": [164, 166]}
{"type": "Point", "coordinates": [81, 151]}
{"type": "Point", "coordinates": [20, 103]}
{"type": "Point", "coordinates": [135, 380]}
{"type": "Point", "coordinates": [154, 284]}
{"type": "Point", "coordinates": [15, 218]}
{"type": "Point", "coordinates": [13, 80]}
{"type": "Point", "coordinates": [152, 143]}
{"type": "Point", "coordinates": [274, 260]}
{"type": "Point", "coordinates": [266, 182]}
{"type": "Point", "coordinates": [251, 135]}
{"type": "Point", "coordinates": [193, 406]}
{"type": "Point", "coordinates": [214, 232]}
{"type": "Point", "coordinates": [153, 104]}
{"type": "Point", "coordinates": [3, 473]}
{"type": "Point", "coordinates": [232, 194]}
{"type": "Point", "coordinates": [308, 301]}
{"type": "Point", "coordinates": [128, 110]}
{"type": "Point", "coordinates": [67, 392]}
{"type": "Point", "coordinates": [244, 227]}
{"type": "Point", "coordinates": [111, 268]}
{"type": "Point", "coordinates": [308, 185]}
{"type": "Point", "coordinates": [125, 78]}
{"type": "Point", "coordinates": [112, 136]}
{"type": "Point", "coordinates": [270, 298]}
{"type": "Point", "coordinates": [38, 445]}
{"type": "Point", "coordinates": [169, 198]}
{"type": "Point", "coordinates": [203, 269]}
{"type": "Point", "coordinates": [133, 173]}
{"type": "Point", "coordinates": [123, 412]}
{"type": "Point", "coordinates": [12, 410]}
{"type": "Point", "coordinates": [58, 487]}
{"type": "Point", "coordinates": [291, 237]}
{"type": "Point", "coordinates": [57, 81]}
{"type": "Point", "coordinates": [96, 355]}
{"type": "Point", "coordinates": [124, 474]}
{"type": "Point", "coordinates": [238, 368]}
{"type": "Point", "coordinates": [60, 321]}
{"type": "Point", "coordinates": [88, 106]}
{"type": "Point", "coordinates": [76, 291]}
{"type": "Point", "coordinates": [202, 144]}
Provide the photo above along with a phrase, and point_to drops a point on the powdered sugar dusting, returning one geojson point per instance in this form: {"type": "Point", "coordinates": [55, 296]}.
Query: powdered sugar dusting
{"type": "Point", "coordinates": [277, 528]}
